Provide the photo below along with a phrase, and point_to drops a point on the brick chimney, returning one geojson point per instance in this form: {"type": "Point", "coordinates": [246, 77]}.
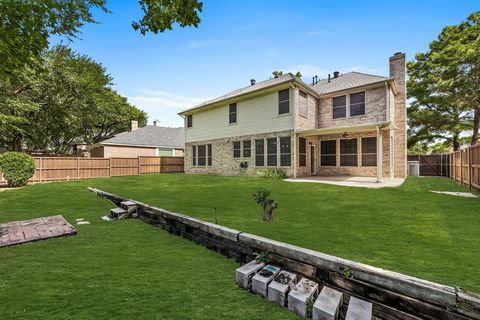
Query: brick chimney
{"type": "Point", "coordinates": [398, 72]}
{"type": "Point", "coordinates": [133, 125]}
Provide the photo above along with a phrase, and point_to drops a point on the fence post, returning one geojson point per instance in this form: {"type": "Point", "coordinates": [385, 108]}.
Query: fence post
{"type": "Point", "coordinates": [109, 167]}
{"type": "Point", "coordinates": [138, 162]}
{"type": "Point", "coordinates": [41, 169]}
{"type": "Point", "coordinates": [469, 167]}
{"type": "Point", "coordinates": [78, 168]}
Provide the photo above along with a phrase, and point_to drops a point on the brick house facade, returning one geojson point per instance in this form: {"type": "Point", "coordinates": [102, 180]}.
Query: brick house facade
{"type": "Point", "coordinates": [349, 124]}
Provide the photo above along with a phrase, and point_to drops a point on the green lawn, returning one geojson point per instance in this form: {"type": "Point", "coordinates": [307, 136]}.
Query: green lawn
{"type": "Point", "coordinates": [128, 269]}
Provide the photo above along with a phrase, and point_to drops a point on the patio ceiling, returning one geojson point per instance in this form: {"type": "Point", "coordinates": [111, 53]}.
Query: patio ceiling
{"type": "Point", "coordinates": [388, 125]}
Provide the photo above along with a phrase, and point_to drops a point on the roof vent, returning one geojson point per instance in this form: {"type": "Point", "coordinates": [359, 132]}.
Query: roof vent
{"type": "Point", "coordinates": [335, 74]}
{"type": "Point", "coordinates": [252, 82]}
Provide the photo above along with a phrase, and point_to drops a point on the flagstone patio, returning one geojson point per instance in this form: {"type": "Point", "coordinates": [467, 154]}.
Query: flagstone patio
{"type": "Point", "coordinates": [17, 232]}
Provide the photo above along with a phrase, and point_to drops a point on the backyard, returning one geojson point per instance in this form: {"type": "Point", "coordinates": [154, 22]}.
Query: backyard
{"type": "Point", "coordinates": [128, 269]}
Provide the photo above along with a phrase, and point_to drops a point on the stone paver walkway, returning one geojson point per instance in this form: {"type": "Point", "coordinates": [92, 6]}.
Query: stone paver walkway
{"type": "Point", "coordinates": [17, 232]}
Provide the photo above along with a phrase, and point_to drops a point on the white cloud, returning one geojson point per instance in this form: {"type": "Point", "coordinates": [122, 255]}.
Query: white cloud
{"type": "Point", "coordinates": [363, 69]}
{"type": "Point", "coordinates": [164, 106]}
{"type": "Point", "coordinates": [196, 44]}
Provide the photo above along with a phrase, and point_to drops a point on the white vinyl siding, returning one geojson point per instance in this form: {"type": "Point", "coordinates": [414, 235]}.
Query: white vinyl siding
{"type": "Point", "coordinates": [256, 115]}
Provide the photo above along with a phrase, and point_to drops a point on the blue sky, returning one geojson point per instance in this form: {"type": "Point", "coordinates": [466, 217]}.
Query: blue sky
{"type": "Point", "coordinates": [240, 40]}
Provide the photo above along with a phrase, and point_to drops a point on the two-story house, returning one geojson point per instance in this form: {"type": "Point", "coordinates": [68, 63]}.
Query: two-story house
{"type": "Point", "coordinates": [349, 124]}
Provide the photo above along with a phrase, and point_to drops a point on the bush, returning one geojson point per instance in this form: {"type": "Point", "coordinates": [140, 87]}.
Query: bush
{"type": "Point", "coordinates": [17, 168]}
{"type": "Point", "coordinates": [262, 198]}
{"type": "Point", "coordinates": [271, 173]}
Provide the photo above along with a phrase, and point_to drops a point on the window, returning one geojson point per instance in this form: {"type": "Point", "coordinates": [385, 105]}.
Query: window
{"type": "Point", "coordinates": [302, 152]}
{"type": "Point", "coordinates": [272, 152]}
{"type": "Point", "coordinates": [284, 101]}
{"type": "Point", "coordinates": [194, 155]}
{"type": "Point", "coordinates": [201, 155]}
{"type": "Point", "coordinates": [285, 151]}
{"type": "Point", "coordinates": [209, 158]}
{"type": "Point", "coordinates": [189, 121]}
{"type": "Point", "coordinates": [236, 149]}
{"type": "Point", "coordinates": [302, 106]}
{"type": "Point", "coordinates": [348, 153]}
{"type": "Point", "coordinates": [328, 153]}
{"type": "Point", "coordinates": [339, 107]}
{"type": "Point", "coordinates": [357, 104]}
{"type": "Point", "coordinates": [163, 152]}
{"type": "Point", "coordinates": [259, 153]}
{"type": "Point", "coordinates": [247, 148]}
{"type": "Point", "coordinates": [232, 113]}
{"type": "Point", "coordinates": [369, 151]}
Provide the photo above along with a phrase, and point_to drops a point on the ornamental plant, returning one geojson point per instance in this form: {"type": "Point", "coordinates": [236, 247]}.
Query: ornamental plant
{"type": "Point", "coordinates": [17, 168]}
{"type": "Point", "coordinates": [262, 198]}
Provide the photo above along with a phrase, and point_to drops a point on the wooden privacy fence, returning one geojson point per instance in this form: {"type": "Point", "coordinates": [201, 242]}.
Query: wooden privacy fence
{"type": "Point", "coordinates": [432, 164]}
{"type": "Point", "coordinates": [465, 167]}
{"type": "Point", "coordinates": [67, 168]}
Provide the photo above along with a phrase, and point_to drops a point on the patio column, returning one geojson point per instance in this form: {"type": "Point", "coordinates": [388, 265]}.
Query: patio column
{"type": "Point", "coordinates": [294, 148]}
{"type": "Point", "coordinates": [379, 155]}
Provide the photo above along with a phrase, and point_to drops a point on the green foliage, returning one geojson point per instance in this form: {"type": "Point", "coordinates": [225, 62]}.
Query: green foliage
{"type": "Point", "coordinates": [160, 15]}
{"type": "Point", "coordinates": [271, 173]}
{"type": "Point", "coordinates": [444, 85]}
{"type": "Point", "coordinates": [17, 168]}
{"type": "Point", "coordinates": [310, 303]}
{"type": "Point", "coordinates": [278, 73]}
{"type": "Point", "coordinates": [262, 198]}
{"type": "Point", "coordinates": [68, 99]}
{"type": "Point", "coordinates": [263, 256]}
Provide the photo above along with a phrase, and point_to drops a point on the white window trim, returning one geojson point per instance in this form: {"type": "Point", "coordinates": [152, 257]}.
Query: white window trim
{"type": "Point", "coordinates": [348, 106]}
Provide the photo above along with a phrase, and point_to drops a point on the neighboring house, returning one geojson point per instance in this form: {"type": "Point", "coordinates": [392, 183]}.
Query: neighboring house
{"type": "Point", "coordinates": [350, 124]}
{"type": "Point", "coordinates": [147, 141]}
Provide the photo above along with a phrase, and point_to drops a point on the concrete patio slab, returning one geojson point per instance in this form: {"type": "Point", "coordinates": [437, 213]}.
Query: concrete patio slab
{"type": "Point", "coordinates": [361, 182]}
{"type": "Point", "coordinates": [17, 232]}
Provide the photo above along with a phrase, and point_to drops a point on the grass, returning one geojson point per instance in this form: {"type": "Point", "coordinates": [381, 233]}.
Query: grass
{"type": "Point", "coordinates": [128, 269]}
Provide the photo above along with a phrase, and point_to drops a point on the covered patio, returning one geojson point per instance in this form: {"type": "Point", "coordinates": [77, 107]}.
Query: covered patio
{"type": "Point", "coordinates": [361, 182]}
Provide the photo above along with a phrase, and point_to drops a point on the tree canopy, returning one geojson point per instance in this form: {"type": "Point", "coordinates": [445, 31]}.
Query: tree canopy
{"type": "Point", "coordinates": [444, 86]}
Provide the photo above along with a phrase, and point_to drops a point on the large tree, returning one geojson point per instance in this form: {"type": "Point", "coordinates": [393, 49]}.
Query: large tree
{"type": "Point", "coordinates": [444, 85]}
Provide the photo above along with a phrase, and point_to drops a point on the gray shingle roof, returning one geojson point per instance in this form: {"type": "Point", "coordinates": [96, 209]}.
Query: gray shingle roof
{"type": "Point", "coordinates": [346, 81]}
{"type": "Point", "coordinates": [257, 86]}
{"type": "Point", "coordinates": [152, 136]}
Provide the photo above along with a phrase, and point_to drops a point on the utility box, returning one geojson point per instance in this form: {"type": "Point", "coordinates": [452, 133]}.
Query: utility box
{"type": "Point", "coordinates": [413, 168]}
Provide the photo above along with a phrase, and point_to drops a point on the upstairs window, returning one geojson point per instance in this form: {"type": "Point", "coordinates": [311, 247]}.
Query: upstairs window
{"type": "Point", "coordinates": [189, 121]}
{"type": "Point", "coordinates": [247, 148]}
{"type": "Point", "coordinates": [357, 104]}
{"type": "Point", "coordinates": [232, 113]}
{"type": "Point", "coordinates": [339, 107]}
{"type": "Point", "coordinates": [302, 152]}
{"type": "Point", "coordinates": [236, 149]}
{"type": "Point", "coordinates": [284, 101]}
{"type": "Point", "coordinates": [302, 104]}
{"type": "Point", "coordinates": [328, 153]}
{"type": "Point", "coordinates": [272, 152]}
{"type": "Point", "coordinates": [201, 155]}
{"type": "Point", "coordinates": [285, 152]}
{"type": "Point", "coordinates": [369, 152]}
{"type": "Point", "coordinates": [348, 153]}
{"type": "Point", "coordinates": [259, 153]}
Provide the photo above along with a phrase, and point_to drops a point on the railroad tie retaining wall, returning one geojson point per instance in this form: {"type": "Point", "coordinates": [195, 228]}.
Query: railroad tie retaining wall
{"type": "Point", "coordinates": [394, 295]}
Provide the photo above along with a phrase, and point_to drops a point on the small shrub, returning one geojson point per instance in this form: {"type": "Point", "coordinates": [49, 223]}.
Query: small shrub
{"type": "Point", "coordinates": [262, 197]}
{"type": "Point", "coordinates": [17, 168]}
{"type": "Point", "coordinates": [263, 257]}
{"type": "Point", "coordinates": [271, 173]}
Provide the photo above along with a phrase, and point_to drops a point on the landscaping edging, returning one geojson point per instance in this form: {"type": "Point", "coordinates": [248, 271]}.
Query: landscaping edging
{"type": "Point", "coordinates": [394, 295]}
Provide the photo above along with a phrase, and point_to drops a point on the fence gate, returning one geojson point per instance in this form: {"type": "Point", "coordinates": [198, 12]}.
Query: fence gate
{"type": "Point", "coordinates": [433, 164]}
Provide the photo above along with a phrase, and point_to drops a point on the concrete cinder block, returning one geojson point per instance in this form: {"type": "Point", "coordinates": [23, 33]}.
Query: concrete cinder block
{"type": "Point", "coordinates": [281, 284]}
{"type": "Point", "coordinates": [299, 297]}
{"type": "Point", "coordinates": [261, 280]}
{"type": "Point", "coordinates": [328, 304]}
{"type": "Point", "coordinates": [359, 310]}
{"type": "Point", "coordinates": [244, 274]}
